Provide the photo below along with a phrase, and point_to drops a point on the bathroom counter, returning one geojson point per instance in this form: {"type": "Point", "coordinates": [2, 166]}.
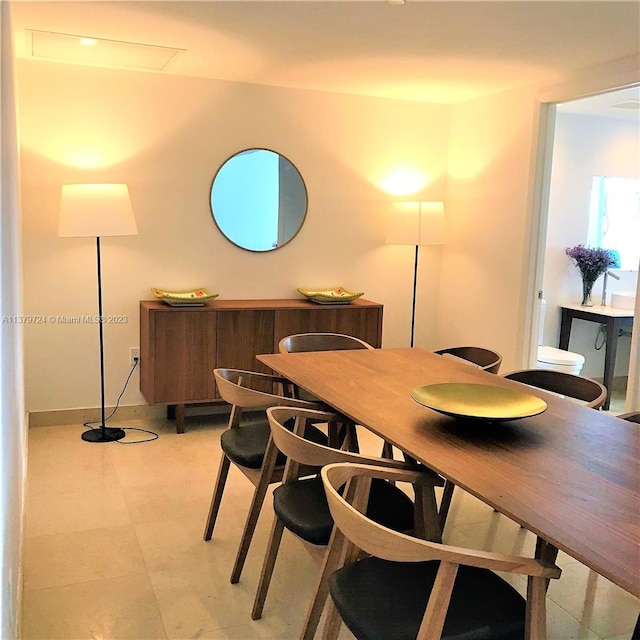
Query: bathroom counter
{"type": "Point", "coordinates": [600, 310]}
{"type": "Point", "coordinates": [613, 318]}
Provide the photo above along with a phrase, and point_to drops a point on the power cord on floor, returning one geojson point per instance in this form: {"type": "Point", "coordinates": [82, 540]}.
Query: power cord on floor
{"type": "Point", "coordinates": [124, 388]}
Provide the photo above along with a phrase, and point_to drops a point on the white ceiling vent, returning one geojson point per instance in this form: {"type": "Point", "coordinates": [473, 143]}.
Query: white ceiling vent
{"type": "Point", "coordinates": [627, 104]}
{"type": "Point", "coordinates": [77, 49]}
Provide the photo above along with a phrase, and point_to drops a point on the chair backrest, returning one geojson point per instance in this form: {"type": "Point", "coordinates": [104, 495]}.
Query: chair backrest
{"type": "Point", "coordinates": [320, 342]}
{"type": "Point", "coordinates": [385, 543]}
{"type": "Point", "coordinates": [246, 390]}
{"type": "Point", "coordinates": [379, 541]}
{"type": "Point", "coordinates": [485, 359]}
{"type": "Point", "coordinates": [634, 416]}
{"type": "Point", "coordinates": [591, 392]}
{"type": "Point", "coordinates": [303, 455]}
{"type": "Point", "coordinates": [308, 453]}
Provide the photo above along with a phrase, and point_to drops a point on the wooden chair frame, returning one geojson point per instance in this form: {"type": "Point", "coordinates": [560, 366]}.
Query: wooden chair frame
{"type": "Point", "coordinates": [300, 451]}
{"type": "Point", "coordinates": [591, 392]}
{"type": "Point", "coordinates": [320, 342]}
{"type": "Point", "coordinates": [490, 362]}
{"type": "Point", "coordinates": [357, 533]}
{"type": "Point", "coordinates": [323, 341]}
{"type": "Point", "coordinates": [235, 388]}
{"type": "Point", "coordinates": [485, 359]}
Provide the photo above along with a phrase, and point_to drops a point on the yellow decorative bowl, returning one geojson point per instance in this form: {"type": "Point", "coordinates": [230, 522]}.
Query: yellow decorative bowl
{"type": "Point", "coordinates": [188, 298]}
{"type": "Point", "coordinates": [478, 401]}
{"type": "Point", "coordinates": [335, 295]}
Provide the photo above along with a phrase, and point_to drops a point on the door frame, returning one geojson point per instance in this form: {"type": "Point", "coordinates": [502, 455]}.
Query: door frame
{"type": "Point", "coordinates": [620, 74]}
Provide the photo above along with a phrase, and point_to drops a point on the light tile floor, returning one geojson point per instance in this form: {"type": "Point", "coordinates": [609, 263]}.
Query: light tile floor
{"type": "Point", "coordinates": [114, 547]}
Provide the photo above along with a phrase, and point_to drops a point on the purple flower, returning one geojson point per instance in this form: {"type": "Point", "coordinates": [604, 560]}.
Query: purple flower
{"type": "Point", "coordinates": [592, 262]}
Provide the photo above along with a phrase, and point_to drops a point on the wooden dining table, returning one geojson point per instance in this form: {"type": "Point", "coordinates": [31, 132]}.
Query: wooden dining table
{"type": "Point", "coordinates": [570, 474]}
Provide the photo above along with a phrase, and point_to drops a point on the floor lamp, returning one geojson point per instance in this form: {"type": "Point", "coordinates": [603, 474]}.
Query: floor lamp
{"type": "Point", "coordinates": [97, 210]}
{"type": "Point", "coordinates": [416, 223]}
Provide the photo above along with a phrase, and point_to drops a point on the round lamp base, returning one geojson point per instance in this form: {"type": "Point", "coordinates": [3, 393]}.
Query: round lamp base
{"type": "Point", "coordinates": [108, 434]}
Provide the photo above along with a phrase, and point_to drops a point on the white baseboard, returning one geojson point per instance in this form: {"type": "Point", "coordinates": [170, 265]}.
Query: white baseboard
{"type": "Point", "coordinates": [80, 416]}
{"type": "Point", "coordinates": [132, 412]}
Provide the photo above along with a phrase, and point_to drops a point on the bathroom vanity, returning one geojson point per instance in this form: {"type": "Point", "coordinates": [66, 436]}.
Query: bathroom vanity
{"type": "Point", "coordinates": [613, 318]}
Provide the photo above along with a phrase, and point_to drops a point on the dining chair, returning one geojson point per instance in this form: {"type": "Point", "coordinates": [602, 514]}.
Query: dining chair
{"type": "Point", "coordinates": [247, 444]}
{"type": "Point", "coordinates": [589, 391]}
{"type": "Point", "coordinates": [634, 416]}
{"type": "Point", "coordinates": [490, 362]}
{"type": "Point", "coordinates": [485, 359]}
{"type": "Point", "coordinates": [319, 341]}
{"type": "Point", "coordinates": [300, 504]}
{"type": "Point", "coordinates": [406, 588]}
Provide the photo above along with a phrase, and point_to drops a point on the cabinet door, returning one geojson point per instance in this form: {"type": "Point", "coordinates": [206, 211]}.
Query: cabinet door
{"type": "Point", "coordinates": [241, 336]}
{"type": "Point", "coordinates": [185, 356]}
{"type": "Point", "coordinates": [362, 322]}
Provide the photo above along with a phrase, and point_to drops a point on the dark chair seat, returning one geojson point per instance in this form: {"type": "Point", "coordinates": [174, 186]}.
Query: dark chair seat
{"type": "Point", "coordinates": [302, 507]}
{"type": "Point", "coordinates": [382, 599]}
{"type": "Point", "coordinates": [300, 502]}
{"type": "Point", "coordinates": [246, 445]}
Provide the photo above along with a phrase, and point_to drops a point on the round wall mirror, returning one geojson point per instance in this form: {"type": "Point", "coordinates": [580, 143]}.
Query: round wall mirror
{"type": "Point", "coordinates": [258, 200]}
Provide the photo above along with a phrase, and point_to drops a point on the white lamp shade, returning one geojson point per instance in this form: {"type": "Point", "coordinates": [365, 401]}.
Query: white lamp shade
{"type": "Point", "coordinates": [416, 223]}
{"type": "Point", "coordinates": [96, 210]}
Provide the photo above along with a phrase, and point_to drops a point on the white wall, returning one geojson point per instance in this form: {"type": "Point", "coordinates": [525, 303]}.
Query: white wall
{"type": "Point", "coordinates": [584, 147]}
{"type": "Point", "coordinates": [166, 136]}
{"type": "Point", "coordinates": [485, 263]}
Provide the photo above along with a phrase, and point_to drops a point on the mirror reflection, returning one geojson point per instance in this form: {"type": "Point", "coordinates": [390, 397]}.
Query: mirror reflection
{"type": "Point", "coordinates": [614, 218]}
{"type": "Point", "coordinates": [258, 200]}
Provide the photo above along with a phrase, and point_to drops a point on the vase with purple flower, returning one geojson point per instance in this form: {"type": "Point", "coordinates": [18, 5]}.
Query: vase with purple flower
{"type": "Point", "coordinates": [592, 263]}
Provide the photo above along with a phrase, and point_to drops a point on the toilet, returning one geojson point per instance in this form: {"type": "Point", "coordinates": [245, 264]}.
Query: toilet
{"type": "Point", "coordinates": [553, 358]}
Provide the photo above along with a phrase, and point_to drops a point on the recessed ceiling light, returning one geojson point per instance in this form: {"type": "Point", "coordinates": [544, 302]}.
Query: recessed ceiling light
{"type": "Point", "coordinates": [80, 49]}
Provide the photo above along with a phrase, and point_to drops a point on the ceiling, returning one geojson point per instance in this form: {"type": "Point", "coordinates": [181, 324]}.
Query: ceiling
{"type": "Point", "coordinates": [439, 52]}
{"type": "Point", "coordinates": [620, 105]}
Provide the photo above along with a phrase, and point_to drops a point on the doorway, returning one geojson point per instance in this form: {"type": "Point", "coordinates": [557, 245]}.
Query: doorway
{"type": "Point", "coordinates": [589, 138]}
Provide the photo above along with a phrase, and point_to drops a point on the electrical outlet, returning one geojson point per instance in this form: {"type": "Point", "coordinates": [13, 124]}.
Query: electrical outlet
{"type": "Point", "coordinates": [134, 355]}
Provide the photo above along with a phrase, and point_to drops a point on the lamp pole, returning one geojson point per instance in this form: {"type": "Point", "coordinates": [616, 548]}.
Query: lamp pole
{"type": "Point", "coordinates": [105, 434]}
{"type": "Point", "coordinates": [97, 210]}
{"type": "Point", "coordinates": [413, 307]}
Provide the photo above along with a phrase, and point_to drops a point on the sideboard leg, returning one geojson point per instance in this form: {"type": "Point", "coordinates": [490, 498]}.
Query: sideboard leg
{"type": "Point", "coordinates": [179, 418]}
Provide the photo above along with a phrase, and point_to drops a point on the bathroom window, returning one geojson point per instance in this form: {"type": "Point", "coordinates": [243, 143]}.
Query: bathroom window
{"type": "Point", "coordinates": [614, 218]}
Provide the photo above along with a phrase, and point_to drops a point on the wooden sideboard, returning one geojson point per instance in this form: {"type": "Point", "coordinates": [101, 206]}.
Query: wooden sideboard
{"type": "Point", "coordinates": [181, 346]}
